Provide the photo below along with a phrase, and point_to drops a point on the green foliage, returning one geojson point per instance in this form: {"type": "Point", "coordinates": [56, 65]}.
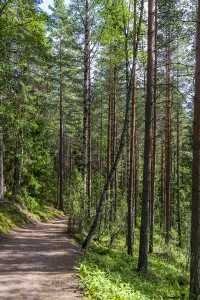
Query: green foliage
{"type": "Point", "coordinates": [11, 216]}
{"type": "Point", "coordinates": [45, 213]}
{"type": "Point", "coordinates": [111, 274]}
{"type": "Point", "coordinates": [73, 196]}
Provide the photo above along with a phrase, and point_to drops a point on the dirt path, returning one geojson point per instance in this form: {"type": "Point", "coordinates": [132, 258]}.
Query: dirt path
{"type": "Point", "coordinates": [37, 263]}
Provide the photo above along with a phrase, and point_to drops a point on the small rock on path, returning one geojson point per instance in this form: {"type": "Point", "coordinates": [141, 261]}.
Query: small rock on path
{"type": "Point", "coordinates": [37, 263]}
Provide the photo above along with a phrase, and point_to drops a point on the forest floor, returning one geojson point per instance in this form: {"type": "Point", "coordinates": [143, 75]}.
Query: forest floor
{"type": "Point", "coordinates": [38, 263]}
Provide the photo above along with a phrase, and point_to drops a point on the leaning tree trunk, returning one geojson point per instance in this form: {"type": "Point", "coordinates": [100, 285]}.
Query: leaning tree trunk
{"type": "Point", "coordinates": [143, 248]}
{"type": "Point", "coordinates": [120, 149]}
{"type": "Point", "coordinates": [195, 220]}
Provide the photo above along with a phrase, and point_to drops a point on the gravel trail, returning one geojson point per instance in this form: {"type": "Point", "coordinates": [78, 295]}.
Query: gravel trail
{"type": "Point", "coordinates": [37, 263]}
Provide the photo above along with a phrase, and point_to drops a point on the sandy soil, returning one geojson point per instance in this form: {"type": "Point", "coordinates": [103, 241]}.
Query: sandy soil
{"type": "Point", "coordinates": [37, 263]}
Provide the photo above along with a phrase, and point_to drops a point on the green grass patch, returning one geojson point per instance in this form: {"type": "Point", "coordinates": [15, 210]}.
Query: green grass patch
{"type": "Point", "coordinates": [112, 274]}
{"type": "Point", "coordinates": [14, 215]}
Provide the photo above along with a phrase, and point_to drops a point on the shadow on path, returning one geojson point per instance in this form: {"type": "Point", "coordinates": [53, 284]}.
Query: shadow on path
{"type": "Point", "coordinates": [38, 263]}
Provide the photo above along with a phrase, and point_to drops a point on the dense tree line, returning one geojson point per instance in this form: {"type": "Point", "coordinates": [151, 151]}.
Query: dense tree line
{"type": "Point", "coordinates": [96, 117]}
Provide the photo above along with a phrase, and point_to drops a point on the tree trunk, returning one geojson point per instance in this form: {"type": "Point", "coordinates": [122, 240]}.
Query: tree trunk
{"type": "Point", "coordinates": [153, 171]}
{"type": "Point", "coordinates": [86, 90]}
{"type": "Point", "coordinates": [108, 146]}
{"type": "Point", "coordinates": [178, 176]}
{"type": "Point", "coordinates": [143, 248]}
{"type": "Point", "coordinates": [120, 149]}
{"type": "Point", "coordinates": [113, 144]}
{"type": "Point", "coordinates": [137, 163]}
{"type": "Point", "coordinates": [131, 183]}
{"type": "Point", "coordinates": [101, 141]}
{"type": "Point", "coordinates": [162, 180]}
{"type": "Point", "coordinates": [168, 151]}
{"type": "Point", "coordinates": [89, 182]}
{"type": "Point", "coordinates": [61, 157]}
{"type": "Point", "coordinates": [195, 220]}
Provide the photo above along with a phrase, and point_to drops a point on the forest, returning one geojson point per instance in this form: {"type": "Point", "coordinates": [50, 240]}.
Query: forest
{"type": "Point", "coordinates": [100, 106]}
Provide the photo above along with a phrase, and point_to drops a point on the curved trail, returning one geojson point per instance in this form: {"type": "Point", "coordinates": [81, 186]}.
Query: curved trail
{"type": "Point", "coordinates": [37, 263]}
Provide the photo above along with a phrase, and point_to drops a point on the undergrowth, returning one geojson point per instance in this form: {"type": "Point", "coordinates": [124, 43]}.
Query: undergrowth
{"type": "Point", "coordinates": [14, 215]}
{"type": "Point", "coordinates": [109, 273]}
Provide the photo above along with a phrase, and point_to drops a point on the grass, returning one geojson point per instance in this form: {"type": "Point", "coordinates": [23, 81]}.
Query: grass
{"type": "Point", "coordinates": [14, 215]}
{"type": "Point", "coordinates": [109, 273]}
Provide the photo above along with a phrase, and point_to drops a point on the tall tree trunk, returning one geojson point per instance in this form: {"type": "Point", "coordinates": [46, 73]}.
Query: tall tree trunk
{"type": "Point", "coordinates": [143, 248]}
{"type": "Point", "coordinates": [86, 90]}
{"type": "Point", "coordinates": [195, 220]}
{"type": "Point", "coordinates": [137, 163]}
{"type": "Point", "coordinates": [131, 183]}
{"type": "Point", "coordinates": [113, 143]}
{"type": "Point", "coordinates": [61, 157]}
{"type": "Point", "coordinates": [127, 157]}
{"type": "Point", "coordinates": [168, 150]}
{"type": "Point", "coordinates": [108, 145]}
{"type": "Point", "coordinates": [120, 149]}
{"type": "Point", "coordinates": [178, 176]}
{"type": "Point", "coordinates": [89, 182]}
{"type": "Point", "coordinates": [101, 140]}
{"type": "Point", "coordinates": [153, 171]}
{"type": "Point", "coordinates": [162, 180]}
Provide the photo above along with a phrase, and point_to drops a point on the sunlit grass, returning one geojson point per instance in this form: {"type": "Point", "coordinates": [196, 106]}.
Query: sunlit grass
{"type": "Point", "coordinates": [14, 215]}
{"type": "Point", "coordinates": [109, 273]}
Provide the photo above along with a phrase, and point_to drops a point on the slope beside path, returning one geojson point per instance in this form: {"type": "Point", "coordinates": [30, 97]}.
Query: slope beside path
{"type": "Point", "coordinates": [37, 263]}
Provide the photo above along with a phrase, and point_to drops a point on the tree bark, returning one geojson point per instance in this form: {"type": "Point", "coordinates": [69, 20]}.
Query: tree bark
{"type": "Point", "coordinates": [89, 182]}
{"type": "Point", "coordinates": [113, 144]}
{"type": "Point", "coordinates": [101, 141]}
{"type": "Point", "coordinates": [162, 180]}
{"type": "Point", "coordinates": [108, 146]}
{"type": "Point", "coordinates": [153, 171]}
{"type": "Point", "coordinates": [131, 183]}
{"type": "Point", "coordinates": [168, 150]}
{"type": "Point", "coordinates": [143, 248]}
{"type": "Point", "coordinates": [86, 90]}
{"type": "Point", "coordinates": [178, 175]}
{"type": "Point", "coordinates": [61, 157]}
{"type": "Point", "coordinates": [137, 163]}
